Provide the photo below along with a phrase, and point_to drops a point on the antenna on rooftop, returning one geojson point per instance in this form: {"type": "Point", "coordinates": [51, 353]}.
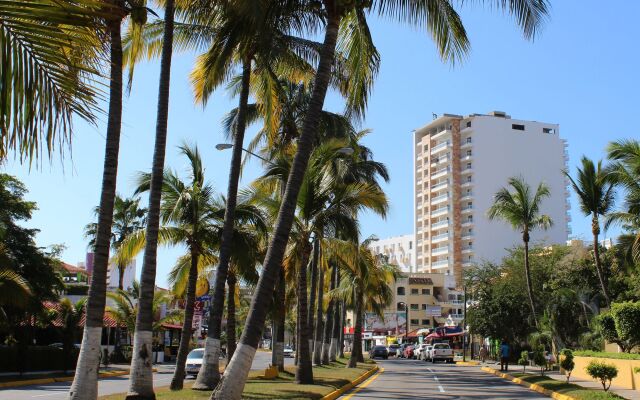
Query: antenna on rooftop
{"type": "Point", "coordinates": [435, 116]}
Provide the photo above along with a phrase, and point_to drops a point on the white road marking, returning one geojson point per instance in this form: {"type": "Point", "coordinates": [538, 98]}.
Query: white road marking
{"type": "Point", "coordinates": [435, 378]}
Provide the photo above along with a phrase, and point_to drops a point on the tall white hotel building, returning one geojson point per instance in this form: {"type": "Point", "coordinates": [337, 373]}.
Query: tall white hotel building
{"type": "Point", "coordinates": [459, 164]}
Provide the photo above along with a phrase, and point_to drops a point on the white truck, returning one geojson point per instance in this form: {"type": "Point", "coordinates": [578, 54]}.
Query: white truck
{"type": "Point", "coordinates": [441, 352]}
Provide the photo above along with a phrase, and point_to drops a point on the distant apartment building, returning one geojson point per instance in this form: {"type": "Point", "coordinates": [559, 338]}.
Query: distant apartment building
{"type": "Point", "coordinates": [113, 276]}
{"type": "Point", "coordinates": [397, 250]}
{"type": "Point", "coordinates": [459, 165]}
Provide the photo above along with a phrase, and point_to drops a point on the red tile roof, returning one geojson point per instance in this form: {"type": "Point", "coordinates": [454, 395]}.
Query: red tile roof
{"type": "Point", "coordinates": [107, 320]}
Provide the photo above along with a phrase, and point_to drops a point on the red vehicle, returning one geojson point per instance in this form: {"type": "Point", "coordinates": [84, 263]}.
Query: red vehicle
{"type": "Point", "coordinates": [408, 351]}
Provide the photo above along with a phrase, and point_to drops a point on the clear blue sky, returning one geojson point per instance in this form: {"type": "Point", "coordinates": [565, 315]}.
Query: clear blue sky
{"type": "Point", "coordinates": [581, 72]}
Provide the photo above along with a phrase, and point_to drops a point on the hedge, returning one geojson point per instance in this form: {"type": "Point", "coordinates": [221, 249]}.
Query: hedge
{"type": "Point", "coordinates": [602, 354]}
{"type": "Point", "coordinates": [35, 358]}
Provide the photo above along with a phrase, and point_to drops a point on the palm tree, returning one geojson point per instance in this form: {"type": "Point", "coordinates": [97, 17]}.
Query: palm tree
{"type": "Point", "coordinates": [141, 377]}
{"type": "Point", "coordinates": [521, 209]}
{"type": "Point", "coordinates": [71, 315]}
{"type": "Point", "coordinates": [625, 171]}
{"type": "Point", "coordinates": [128, 217]}
{"type": "Point", "coordinates": [446, 28]}
{"type": "Point", "coordinates": [596, 195]}
{"type": "Point", "coordinates": [85, 381]}
{"type": "Point", "coordinates": [366, 286]}
{"type": "Point", "coordinates": [191, 216]}
{"type": "Point", "coordinates": [14, 290]}
{"type": "Point", "coordinates": [50, 54]}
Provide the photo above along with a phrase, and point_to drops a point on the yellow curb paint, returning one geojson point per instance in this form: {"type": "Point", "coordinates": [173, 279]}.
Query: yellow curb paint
{"type": "Point", "coordinates": [43, 381]}
{"type": "Point", "coordinates": [338, 392]}
{"type": "Point", "coordinates": [364, 385]}
{"type": "Point", "coordinates": [532, 386]}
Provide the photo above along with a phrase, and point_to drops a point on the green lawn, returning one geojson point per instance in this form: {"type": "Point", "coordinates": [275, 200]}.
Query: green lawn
{"type": "Point", "coordinates": [327, 379]}
{"type": "Point", "coordinates": [569, 389]}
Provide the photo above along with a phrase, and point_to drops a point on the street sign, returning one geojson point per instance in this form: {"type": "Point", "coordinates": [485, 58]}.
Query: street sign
{"type": "Point", "coordinates": [434, 311]}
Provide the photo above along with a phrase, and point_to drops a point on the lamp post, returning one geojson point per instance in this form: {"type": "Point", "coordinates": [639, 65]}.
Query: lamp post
{"type": "Point", "coordinates": [406, 309]}
{"type": "Point", "coordinates": [464, 325]}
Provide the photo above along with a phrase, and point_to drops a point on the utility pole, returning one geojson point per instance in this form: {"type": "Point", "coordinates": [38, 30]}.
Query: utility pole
{"type": "Point", "coordinates": [464, 326]}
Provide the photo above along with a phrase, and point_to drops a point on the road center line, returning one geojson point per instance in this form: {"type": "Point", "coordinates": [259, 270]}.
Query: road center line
{"type": "Point", "coordinates": [435, 378]}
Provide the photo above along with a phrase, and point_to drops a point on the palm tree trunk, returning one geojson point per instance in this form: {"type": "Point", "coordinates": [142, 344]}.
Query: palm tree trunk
{"type": "Point", "coordinates": [527, 272]}
{"type": "Point", "coordinates": [209, 374]}
{"type": "Point", "coordinates": [356, 351]}
{"type": "Point", "coordinates": [312, 294]}
{"type": "Point", "coordinates": [343, 318]}
{"type": "Point", "coordinates": [85, 381]}
{"type": "Point", "coordinates": [304, 369]}
{"type": "Point", "coordinates": [141, 377]}
{"type": "Point", "coordinates": [328, 326]}
{"type": "Point", "coordinates": [232, 383]}
{"type": "Point", "coordinates": [121, 270]}
{"type": "Point", "coordinates": [277, 356]}
{"type": "Point", "coordinates": [595, 227]}
{"type": "Point", "coordinates": [334, 351]}
{"type": "Point", "coordinates": [231, 316]}
{"type": "Point", "coordinates": [317, 339]}
{"type": "Point", "coordinates": [187, 326]}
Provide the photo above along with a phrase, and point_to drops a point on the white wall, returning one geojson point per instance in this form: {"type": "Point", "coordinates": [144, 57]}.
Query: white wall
{"type": "Point", "coordinates": [499, 152]}
{"type": "Point", "coordinates": [129, 275]}
{"type": "Point", "coordinates": [399, 249]}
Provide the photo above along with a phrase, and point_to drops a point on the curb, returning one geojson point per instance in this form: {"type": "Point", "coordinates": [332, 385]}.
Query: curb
{"type": "Point", "coordinates": [532, 386]}
{"type": "Point", "coordinates": [339, 392]}
{"type": "Point", "coordinates": [468, 363]}
{"type": "Point", "coordinates": [44, 381]}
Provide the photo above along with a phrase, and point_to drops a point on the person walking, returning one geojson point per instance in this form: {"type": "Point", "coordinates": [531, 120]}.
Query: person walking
{"type": "Point", "coordinates": [504, 356]}
{"type": "Point", "coordinates": [483, 354]}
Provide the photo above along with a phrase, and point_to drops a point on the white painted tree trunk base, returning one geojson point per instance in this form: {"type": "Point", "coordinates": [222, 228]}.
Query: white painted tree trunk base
{"type": "Point", "coordinates": [325, 353]}
{"type": "Point", "coordinates": [85, 381]}
{"type": "Point", "coordinates": [278, 348]}
{"type": "Point", "coordinates": [141, 377]}
{"type": "Point", "coordinates": [235, 375]}
{"type": "Point", "coordinates": [333, 350]}
{"type": "Point", "coordinates": [209, 374]}
{"type": "Point", "coordinates": [317, 353]}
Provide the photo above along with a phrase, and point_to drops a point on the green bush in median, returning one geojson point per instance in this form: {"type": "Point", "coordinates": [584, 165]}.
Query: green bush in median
{"type": "Point", "coordinates": [603, 372]}
{"type": "Point", "coordinates": [539, 359]}
{"type": "Point", "coordinates": [566, 362]}
{"type": "Point", "coordinates": [524, 360]}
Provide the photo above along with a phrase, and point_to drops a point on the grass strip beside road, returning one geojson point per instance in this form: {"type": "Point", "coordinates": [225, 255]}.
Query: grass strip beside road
{"type": "Point", "coordinates": [328, 378]}
{"type": "Point", "coordinates": [555, 389]}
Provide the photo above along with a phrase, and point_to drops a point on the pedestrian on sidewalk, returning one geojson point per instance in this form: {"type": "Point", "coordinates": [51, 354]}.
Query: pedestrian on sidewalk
{"type": "Point", "coordinates": [504, 356]}
{"type": "Point", "coordinates": [483, 353]}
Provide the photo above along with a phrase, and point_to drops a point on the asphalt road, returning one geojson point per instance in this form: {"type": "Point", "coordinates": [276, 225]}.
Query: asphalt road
{"type": "Point", "coordinates": [117, 384]}
{"type": "Point", "coordinates": [413, 379]}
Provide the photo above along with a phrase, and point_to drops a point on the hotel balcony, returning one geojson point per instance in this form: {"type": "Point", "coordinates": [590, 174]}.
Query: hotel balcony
{"type": "Point", "coordinates": [466, 169]}
{"type": "Point", "coordinates": [439, 161]}
{"type": "Point", "coordinates": [457, 316]}
{"type": "Point", "coordinates": [440, 238]}
{"type": "Point", "coordinates": [467, 184]}
{"type": "Point", "coordinates": [440, 264]}
{"type": "Point", "coordinates": [441, 147]}
{"type": "Point", "coordinates": [466, 223]}
{"type": "Point", "coordinates": [467, 209]}
{"type": "Point", "coordinates": [439, 199]}
{"type": "Point", "coordinates": [467, 249]}
{"type": "Point", "coordinates": [439, 186]}
{"type": "Point", "coordinates": [439, 251]}
{"type": "Point", "coordinates": [451, 302]}
{"type": "Point", "coordinates": [466, 145]}
{"type": "Point", "coordinates": [440, 225]}
{"type": "Point", "coordinates": [467, 236]}
{"type": "Point", "coordinates": [438, 212]}
{"type": "Point", "coordinates": [466, 196]}
{"type": "Point", "coordinates": [468, 264]}
{"type": "Point", "coordinates": [441, 134]}
{"type": "Point", "coordinates": [441, 173]}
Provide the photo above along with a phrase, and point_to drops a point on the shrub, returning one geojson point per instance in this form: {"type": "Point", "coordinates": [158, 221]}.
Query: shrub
{"type": "Point", "coordinates": [566, 362]}
{"type": "Point", "coordinates": [619, 326]}
{"type": "Point", "coordinates": [603, 372]}
{"type": "Point", "coordinates": [539, 359]}
{"type": "Point", "coordinates": [524, 360]}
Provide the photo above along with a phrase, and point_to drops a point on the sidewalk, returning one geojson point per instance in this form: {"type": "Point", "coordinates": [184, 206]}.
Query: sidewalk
{"type": "Point", "coordinates": [590, 384]}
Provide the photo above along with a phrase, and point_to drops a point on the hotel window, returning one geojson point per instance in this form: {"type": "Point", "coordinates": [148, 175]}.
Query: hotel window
{"type": "Point", "coordinates": [414, 322]}
{"type": "Point", "coordinates": [414, 291]}
{"type": "Point", "coordinates": [425, 322]}
{"type": "Point", "coordinates": [470, 218]}
{"type": "Point", "coordinates": [424, 307]}
{"type": "Point", "coordinates": [468, 152]}
{"type": "Point", "coordinates": [468, 124]}
{"type": "Point", "coordinates": [469, 140]}
{"type": "Point", "coordinates": [468, 165]}
{"type": "Point", "coordinates": [414, 307]}
{"type": "Point", "coordinates": [517, 127]}
{"type": "Point", "coordinates": [550, 131]}
{"type": "Point", "coordinates": [400, 291]}
{"type": "Point", "coordinates": [426, 291]}
{"type": "Point", "coordinates": [468, 178]}
{"type": "Point", "coordinates": [426, 147]}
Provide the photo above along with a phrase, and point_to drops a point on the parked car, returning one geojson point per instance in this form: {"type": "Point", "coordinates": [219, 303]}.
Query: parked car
{"type": "Point", "coordinates": [194, 361]}
{"type": "Point", "coordinates": [441, 352]}
{"type": "Point", "coordinates": [418, 351]}
{"type": "Point", "coordinates": [379, 351]}
{"type": "Point", "coordinates": [393, 349]}
{"type": "Point", "coordinates": [425, 354]}
{"type": "Point", "coordinates": [408, 351]}
{"type": "Point", "coordinates": [288, 351]}
{"type": "Point", "coordinates": [401, 350]}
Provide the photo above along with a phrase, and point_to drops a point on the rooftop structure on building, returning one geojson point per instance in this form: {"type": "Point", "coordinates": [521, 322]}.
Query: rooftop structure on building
{"type": "Point", "coordinates": [397, 250]}
{"type": "Point", "coordinates": [459, 165]}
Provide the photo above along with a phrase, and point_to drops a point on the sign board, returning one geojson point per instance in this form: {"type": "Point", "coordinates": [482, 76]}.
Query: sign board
{"type": "Point", "coordinates": [197, 320]}
{"type": "Point", "coordinates": [434, 311]}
